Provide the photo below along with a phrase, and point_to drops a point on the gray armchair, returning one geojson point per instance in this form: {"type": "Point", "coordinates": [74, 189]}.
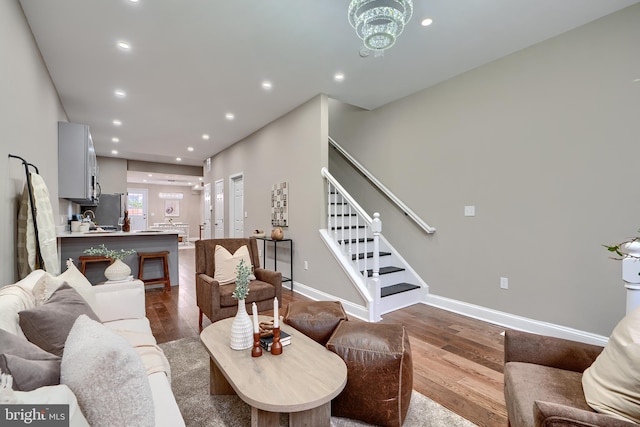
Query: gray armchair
{"type": "Point", "coordinates": [543, 382]}
{"type": "Point", "coordinates": [215, 300]}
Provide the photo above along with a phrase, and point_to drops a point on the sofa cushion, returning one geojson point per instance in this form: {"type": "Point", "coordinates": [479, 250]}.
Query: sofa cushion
{"type": "Point", "coordinates": [48, 325]}
{"type": "Point", "coordinates": [13, 299]}
{"type": "Point", "coordinates": [226, 265]}
{"type": "Point", "coordinates": [107, 376]}
{"type": "Point", "coordinates": [30, 366]}
{"type": "Point", "coordinates": [526, 383]}
{"type": "Point", "coordinates": [612, 383]}
{"type": "Point", "coordinates": [47, 284]}
{"type": "Point", "coordinates": [55, 395]}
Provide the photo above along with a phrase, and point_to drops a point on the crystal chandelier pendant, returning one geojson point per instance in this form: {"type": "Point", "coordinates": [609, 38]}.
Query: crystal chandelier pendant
{"type": "Point", "coordinates": [379, 22]}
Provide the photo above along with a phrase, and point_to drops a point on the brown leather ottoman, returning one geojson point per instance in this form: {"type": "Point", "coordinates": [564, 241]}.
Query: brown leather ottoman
{"type": "Point", "coordinates": [315, 319]}
{"type": "Point", "coordinates": [379, 372]}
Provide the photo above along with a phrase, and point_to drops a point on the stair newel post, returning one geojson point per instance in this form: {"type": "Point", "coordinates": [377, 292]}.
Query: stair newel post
{"type": "Point", "coordinates": [376, 229]}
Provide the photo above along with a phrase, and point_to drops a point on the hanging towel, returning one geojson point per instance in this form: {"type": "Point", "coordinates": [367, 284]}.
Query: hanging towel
{"type": "Point", "coordinates": [46, 230]}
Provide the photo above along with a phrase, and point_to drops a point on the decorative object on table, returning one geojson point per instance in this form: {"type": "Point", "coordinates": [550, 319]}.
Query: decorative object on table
{"type": "Point", "coordinates": [277, 233]}
{"type": "Point", "coordinates": [126, 222]}
{"type": "Point", "coordinates": [242, 326]}
{"type": "Point", "coordinates": [258, 233]}
{"type": "Point", "coordinates": [276, 347]}
{"type": "Point", "coordinates": [256, 351]}
{"type": "Point", "coordinates": [266, 336]}
{"type": "Point", "coordinates": [172, 208]}
{"type": "Point", "coordinates": [280, 205]}
{"type": "Point", "coordinates": [118, 270]}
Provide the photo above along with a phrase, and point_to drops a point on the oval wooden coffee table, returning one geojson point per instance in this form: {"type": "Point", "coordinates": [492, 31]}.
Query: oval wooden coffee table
{"type": "Point", "coordinates": [301, 381]}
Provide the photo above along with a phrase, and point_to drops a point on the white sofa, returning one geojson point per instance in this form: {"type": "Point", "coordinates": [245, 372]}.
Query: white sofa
{"type": "Point", "coordinates": [119, 307]}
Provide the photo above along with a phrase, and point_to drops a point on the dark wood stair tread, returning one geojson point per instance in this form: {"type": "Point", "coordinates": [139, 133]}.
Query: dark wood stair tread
{"type": "Point", "coordinates": [361, 240]}
{"type": "Point", "coordinates": [369, 255]}
{"type": "Point", "coordinates": [352, 227]}
{"type": "Point", "coordinates": [397, 289]}
{"type": "Point", "coordinates": [386, 270]}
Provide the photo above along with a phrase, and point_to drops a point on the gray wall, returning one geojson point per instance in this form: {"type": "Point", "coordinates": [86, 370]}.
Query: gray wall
{"type": "Point", "coordinates": [190, 205]}
{"type": "Point", "coordinates": [112, 175]}
{"type": "Point", "coordinates": [29, 114]}
{"type": "Point", "coordinates": [292, 149]}
{"type": "Point", "coordinates": [545, 144]}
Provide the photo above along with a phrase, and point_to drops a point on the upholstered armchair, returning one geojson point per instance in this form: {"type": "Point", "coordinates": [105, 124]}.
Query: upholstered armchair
{"type": "Point", "coordinates": [214, 299]}
{"type": "Point", "coordinates": [543, 382]}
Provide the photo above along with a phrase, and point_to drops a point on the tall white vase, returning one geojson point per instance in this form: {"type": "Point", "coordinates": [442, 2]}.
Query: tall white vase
{"type": "Point", "coordinates": [118, 270]}
{"type": "Point", "coordinates": [241, 329]}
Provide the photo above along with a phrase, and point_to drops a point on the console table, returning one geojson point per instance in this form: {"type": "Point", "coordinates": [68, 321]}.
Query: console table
{"type": "Point", "coordinates": [275, 256]}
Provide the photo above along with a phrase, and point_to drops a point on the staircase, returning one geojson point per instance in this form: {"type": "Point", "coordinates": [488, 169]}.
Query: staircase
{"type": "Point", "coordinates": [382, 276]}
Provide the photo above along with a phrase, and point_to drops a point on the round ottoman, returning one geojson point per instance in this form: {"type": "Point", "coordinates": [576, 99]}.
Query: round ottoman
{"type": "Point", "coordinates": [315, 319]}
{"type": "Point", "coordinates": [379, 372]}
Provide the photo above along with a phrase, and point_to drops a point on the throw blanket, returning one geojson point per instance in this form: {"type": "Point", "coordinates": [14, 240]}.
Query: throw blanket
{"type": "Point", "coordinates": [46, 230]}
{"type": "Point", "coordinates": [152, 356]}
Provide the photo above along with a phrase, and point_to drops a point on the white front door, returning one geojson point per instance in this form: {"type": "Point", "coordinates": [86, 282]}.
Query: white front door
{"type": "Point", "coordinates": [236, 205]}
{"type": "Point", "coordinates": [218, 210]}
{"type": "Point", "coordinates": [137, 199]}
{"type": "Point", "coordinates": [207, 212]}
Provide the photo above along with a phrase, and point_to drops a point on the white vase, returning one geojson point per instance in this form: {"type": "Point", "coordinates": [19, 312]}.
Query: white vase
{"type": "Point", "coordinates": [117, 271]}
{"type": "Point", "coordinates": [241, 329]}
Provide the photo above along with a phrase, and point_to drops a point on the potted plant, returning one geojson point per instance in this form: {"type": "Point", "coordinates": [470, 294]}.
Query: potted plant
{"type": "Point", "coordinates": [242, 326]}
{"type": "Point", "coordinates": [118, 270]}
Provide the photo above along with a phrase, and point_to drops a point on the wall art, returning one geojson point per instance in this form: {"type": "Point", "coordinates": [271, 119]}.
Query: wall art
{"type": "Point", "coordinates": [280, 205]}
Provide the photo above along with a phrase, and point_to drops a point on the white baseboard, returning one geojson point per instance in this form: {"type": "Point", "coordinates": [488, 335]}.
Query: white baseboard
{"type": "Point", "coordinates": [488, 315]}
{"type": "Point", "coordinates": [512, 321]}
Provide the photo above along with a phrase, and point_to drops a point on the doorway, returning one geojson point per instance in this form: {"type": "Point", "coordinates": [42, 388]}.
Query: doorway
{"type": "Point", "coordinates": [137, 205]}
{"type": "Point", "coordinates": [207, 211]}
{"type": "Point", "coordinates": [218, 210]}
{"type": "Point", "coordinates": [236, 205]}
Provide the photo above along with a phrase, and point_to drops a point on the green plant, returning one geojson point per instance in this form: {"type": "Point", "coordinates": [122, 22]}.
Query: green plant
{"type": "Point", "coordinates": [242, 281]}
{"type": "Point", "coordinates": [109, 253]}
{"type": "Point", "coordinates": [621, 249]}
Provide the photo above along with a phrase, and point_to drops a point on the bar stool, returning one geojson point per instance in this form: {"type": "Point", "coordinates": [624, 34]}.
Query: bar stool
{"type": "Point", "coordinates": [164, 258]}
{"type": "Point", "coordinates": [85, 259]}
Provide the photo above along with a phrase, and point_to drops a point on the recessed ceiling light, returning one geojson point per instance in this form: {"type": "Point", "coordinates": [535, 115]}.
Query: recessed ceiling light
{"type": "Point", "coordinates": [117, 122]}
{"type": "Point", "coordinates": [266, 85]}
{"type": "Point", "coordinates": [189, 148]}
{"type": "Point", "coordinates": [150, 175]}
{"type": "Point", "coordinates": [120, 93]}
{"type": "Point", "coordinates": [144, 180]}
{"type": "Point", "coordinates": [338, 77]}
{"type": "Point", "coordinates": [426, 22]}
{"type": "Point", "coordinates": [229, 116]}
{"type": "Point", "coordinates": [178, 159]}
{"type": "Point", "coordinates": [636, 80]}
{"type": "Point", "coordinates": [189, 183]}
{"type": "Point", "coordinates": [124, 45]}
{"type": "Point", "coordinates": [114, 152]}
{"type": "Point", "coordinates": [134, 1]}
{"type": "Point", "coordinates": [205, 136]}
{"type": "Point", "coordinates": [200, 178]}
{"type": "Point", "coordinates": [115, 139]}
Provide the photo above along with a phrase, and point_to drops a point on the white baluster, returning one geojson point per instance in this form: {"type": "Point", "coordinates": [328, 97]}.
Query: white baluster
{"type": "Point", "coordinates": [376, 228]}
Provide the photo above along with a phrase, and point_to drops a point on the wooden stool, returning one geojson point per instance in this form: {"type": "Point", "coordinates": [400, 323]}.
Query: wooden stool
{"type": "Point", "coordinates": [84, 260]}
{"type": "Point", "coordinates": [162, 256]}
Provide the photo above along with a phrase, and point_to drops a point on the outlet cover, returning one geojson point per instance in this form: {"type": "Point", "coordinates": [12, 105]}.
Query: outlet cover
{"type": "Point", "coordinates": [469, 211]}
{"type": "Point", "coordinates": [504, 283]}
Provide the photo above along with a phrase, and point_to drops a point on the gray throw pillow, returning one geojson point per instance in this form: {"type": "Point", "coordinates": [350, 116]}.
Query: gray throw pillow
{"type": "Point", "coordinates": [48, 325]}
{"type": "Point", "coordinates": [30, 366]}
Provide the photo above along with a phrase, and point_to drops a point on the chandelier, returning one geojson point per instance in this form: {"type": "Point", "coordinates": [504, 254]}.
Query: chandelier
{"type": "Point", "coordinates": [379, 22]}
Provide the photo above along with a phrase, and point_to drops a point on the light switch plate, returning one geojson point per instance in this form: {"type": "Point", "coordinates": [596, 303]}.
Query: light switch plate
{"type": "Point", "coordinates": [469, 211]}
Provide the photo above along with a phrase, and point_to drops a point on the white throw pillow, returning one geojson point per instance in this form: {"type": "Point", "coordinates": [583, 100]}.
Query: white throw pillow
{"type": "Point", "coordinates": [107, 376]}
{"type": "Point", "coordinates": [227, 264]}
{"type": "Point", "coordinates": [14, 299]}
{"type": "Point", "coordinates": [55, 395]}
{"type": "Point", "coordinates": [612, 383]}
{"type": "Point", "coordinates": [47, 284]}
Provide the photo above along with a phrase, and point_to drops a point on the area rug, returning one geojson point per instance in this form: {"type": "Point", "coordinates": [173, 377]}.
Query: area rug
{"type": "Point", "coordinates": [190, 383]}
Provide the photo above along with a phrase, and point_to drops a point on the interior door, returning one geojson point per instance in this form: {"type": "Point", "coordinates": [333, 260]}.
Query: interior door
{"type": "Point", "coordinates": [207, 211]}
{"type": "Point", "coordinates": [137, 205]}
{"type": "Point", "coordinates": [218, 210]}
{"type": "Point", "coordinates": [236, 206]}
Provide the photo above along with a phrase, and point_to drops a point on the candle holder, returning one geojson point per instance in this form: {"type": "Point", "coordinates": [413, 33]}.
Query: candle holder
{"type": "Point", "coordinates": [276, 347]}
{"type": "Point", "coordinates": [256, 351]}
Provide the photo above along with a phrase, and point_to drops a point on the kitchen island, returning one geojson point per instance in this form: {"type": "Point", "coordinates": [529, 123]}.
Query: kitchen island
{"type": "Point", "coordinates": [72, 245]}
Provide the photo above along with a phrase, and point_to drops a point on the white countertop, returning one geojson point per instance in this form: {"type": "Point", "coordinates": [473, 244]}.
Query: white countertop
{"type": "Point", "coordinates": [96, 233]}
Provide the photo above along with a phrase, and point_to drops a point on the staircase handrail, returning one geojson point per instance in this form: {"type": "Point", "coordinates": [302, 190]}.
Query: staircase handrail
{"type": "Point", "coordinates": [403, 207]}
{"type": "Point", "coordinates": [325, 173]}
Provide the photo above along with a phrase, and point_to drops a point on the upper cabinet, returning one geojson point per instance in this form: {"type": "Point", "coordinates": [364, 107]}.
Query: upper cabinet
{"type": "Point", "coordinates": [77, 164]}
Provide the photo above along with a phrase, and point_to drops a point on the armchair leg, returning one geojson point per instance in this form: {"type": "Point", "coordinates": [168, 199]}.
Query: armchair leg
{"type": "Point", "coordinates": [200, 319]}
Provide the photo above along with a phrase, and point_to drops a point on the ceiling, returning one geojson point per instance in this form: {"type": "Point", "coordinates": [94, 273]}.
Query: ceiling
{"type": "Point", "coordinates": [191, 62]}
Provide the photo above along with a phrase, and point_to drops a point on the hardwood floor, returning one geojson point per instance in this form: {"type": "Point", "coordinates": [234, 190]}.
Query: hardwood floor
{"type": "Point", "coordinates": [457, 361]}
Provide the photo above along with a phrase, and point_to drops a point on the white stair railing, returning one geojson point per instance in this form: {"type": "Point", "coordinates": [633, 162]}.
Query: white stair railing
{"type": "Point", "coordinates": [357, 235]}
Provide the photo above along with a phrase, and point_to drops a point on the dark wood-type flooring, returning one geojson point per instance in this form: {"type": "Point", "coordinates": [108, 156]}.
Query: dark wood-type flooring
{"type": "Point", "coordinates": [457, 361]}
